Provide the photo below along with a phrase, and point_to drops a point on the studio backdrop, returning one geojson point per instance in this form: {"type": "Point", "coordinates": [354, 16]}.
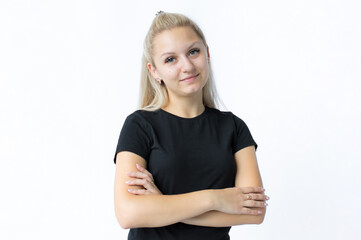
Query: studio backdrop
{"type": "Point", "coordinates": [70, 74]}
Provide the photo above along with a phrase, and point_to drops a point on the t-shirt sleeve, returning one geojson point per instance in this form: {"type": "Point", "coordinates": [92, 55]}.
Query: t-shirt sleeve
{"type": "Point", "coordinates": [243, 136]}
{"type": "Point", "coordinates": [133, 137]}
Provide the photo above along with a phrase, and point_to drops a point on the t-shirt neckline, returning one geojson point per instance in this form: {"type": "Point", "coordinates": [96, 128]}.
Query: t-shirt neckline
{"type": "Point", "coordinates": [202, 115]}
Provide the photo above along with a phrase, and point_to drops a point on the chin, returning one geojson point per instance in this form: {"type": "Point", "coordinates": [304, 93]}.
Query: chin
{"type": "Point", "coordinates": [193, 91]}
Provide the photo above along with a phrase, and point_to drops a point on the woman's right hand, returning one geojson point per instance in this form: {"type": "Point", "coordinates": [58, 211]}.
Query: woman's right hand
{"type": "Point", "coordinates": [241, 200]}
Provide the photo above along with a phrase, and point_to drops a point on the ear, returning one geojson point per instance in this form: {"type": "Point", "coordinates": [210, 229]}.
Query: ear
{"type": "Point", "coordinates": [152, 71]}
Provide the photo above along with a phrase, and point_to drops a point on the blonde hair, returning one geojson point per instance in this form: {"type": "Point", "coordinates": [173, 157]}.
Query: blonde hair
{"type": "Point", "coordinates": [154, 95]}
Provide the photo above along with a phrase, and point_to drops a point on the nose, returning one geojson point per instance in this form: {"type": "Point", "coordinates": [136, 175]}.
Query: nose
{"type": "Point", "coordinates": [187, 65]}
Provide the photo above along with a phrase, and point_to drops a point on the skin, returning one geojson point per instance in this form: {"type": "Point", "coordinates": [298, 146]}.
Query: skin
{"type": "Point", "coordinates": [137, 199]}
{"type": "Point", "coordinates": [144, 179]}
{"type": "Point", "coordinates": [180, 53]}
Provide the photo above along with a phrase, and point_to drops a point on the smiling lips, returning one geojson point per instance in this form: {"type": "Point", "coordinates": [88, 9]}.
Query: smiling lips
{"type": "Point", "coordinates": [190, 78]}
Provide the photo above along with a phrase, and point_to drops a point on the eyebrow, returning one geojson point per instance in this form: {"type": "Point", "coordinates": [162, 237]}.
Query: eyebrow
{"type": "Point", "coordinates": [190, 46]}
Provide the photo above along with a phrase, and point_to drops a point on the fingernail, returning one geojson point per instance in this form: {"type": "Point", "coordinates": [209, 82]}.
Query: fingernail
{"type": "Point", "coordinates": [259, 212]}
{"type": "Point", "coordinates": [127, 182]}
{"type": "Point", "coordinates": [131, 190]}
{"type": "Point", "coordinates": [267, 198]}
{"type": "Point", "coordinates": [266, 204]}
{"type": "Point", "coordinates": [138, 165]}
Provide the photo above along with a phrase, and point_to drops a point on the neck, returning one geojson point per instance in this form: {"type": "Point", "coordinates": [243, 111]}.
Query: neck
{"type": "Point", "coordinates": [187, 107]}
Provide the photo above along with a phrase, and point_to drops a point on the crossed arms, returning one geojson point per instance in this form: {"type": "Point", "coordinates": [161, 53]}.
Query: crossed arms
{"type": "Point", "coordinates": [213, 208]}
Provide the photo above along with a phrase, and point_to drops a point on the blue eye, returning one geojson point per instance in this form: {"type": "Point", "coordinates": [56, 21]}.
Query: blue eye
{"type": "Point", "coordinates": [194, 52]}
{"type": "Point", "coordinates": [169, 60]}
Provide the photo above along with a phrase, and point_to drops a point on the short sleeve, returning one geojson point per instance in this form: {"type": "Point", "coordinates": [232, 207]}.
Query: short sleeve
{"type": "Point", "coordinates": [133, 137]}
{"type": "Point", "coordinates": [243, 137]}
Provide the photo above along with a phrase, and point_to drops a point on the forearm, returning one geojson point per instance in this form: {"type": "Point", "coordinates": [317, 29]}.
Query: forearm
{"type": "Point", "coordinates": [220, 219]}
{"type": "Point", "coordinates": [135, 211]}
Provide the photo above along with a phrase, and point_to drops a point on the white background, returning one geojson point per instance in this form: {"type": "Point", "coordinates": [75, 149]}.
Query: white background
{"type": "Point", "coordinates": [69, 75]}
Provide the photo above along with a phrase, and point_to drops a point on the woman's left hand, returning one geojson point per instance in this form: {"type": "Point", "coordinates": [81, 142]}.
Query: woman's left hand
{"type": "Point", "coordinates": [145, 179]}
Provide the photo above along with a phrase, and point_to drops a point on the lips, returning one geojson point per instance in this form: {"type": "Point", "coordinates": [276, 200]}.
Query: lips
{"type": "Point", "coordinates": [190, 77]}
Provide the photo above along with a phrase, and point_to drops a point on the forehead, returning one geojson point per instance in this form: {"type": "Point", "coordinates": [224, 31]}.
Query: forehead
{"type": "Point", "coordinates": [173, 39]}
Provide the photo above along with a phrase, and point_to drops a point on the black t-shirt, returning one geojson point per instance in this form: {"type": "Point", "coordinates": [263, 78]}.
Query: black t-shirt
{"type": "Point", "coordinates": [185, 155]}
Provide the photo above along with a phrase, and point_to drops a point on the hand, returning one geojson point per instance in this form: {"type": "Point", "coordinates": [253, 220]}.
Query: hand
{"type": "Point", "coordinates": [145, 179]}
{"type": "Point", "coordinates": [241, 200]}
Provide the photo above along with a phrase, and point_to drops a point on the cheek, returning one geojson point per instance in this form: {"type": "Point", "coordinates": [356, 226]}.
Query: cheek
{"type": "Point", "coordinates": [167, 73]}
{"type": "Point", "coordinates": [202, 62]}
{"type": "Point", "coordinates": [172, 72]}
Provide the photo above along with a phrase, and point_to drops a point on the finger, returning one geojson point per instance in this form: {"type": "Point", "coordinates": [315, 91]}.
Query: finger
{"type": "Point", "coordinates": [254, 196]}
{"type": "Point", "coordinates": [252, 203]}
{"type": "Point", "coordinates": [137, 191]}
{"type": "Point", "coordinates": [249, 211]}
{"type": "Point", "coordinates": [138, 181]}
{"type": "Point", "coordinates": [252, 189]}
{"type": "Point", "coordinates": [142, 169]}
{"type": "Point", "coordinates": [141, 182]}
{"type": "Point", "coordinates": [139, 175]}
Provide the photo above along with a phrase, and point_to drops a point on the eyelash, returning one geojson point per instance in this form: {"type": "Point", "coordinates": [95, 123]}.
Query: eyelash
{"type": "Point", "coordinates": [193, 50]}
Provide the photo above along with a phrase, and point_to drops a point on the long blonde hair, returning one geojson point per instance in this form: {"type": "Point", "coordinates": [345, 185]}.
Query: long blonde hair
{"type": "Point", "coordinates": [154, 95]}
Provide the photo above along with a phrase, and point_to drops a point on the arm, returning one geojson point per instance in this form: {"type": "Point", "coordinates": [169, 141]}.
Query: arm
{"type": "Point", "coordinates": [134, 211]}
{"type": "Point", "coordinates": [247, 175]}
{"type": "Point", "coordinates": [139, 210]}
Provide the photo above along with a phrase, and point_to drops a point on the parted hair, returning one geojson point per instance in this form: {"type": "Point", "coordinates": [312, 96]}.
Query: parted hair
{"type": "Point", "coordinates": [154, 95]}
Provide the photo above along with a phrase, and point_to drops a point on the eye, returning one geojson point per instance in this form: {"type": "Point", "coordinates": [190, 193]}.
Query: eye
{"type": "Point", "coordinates": [194, 51]}
{"type": "Point", "coordinates": [169, 60]}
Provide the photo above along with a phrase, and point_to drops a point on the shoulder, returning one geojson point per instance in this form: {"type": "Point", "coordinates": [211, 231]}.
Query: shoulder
{"type": "Point", "coordinates": [142, 118]}
{"type": "Point", "coordinates": [219, 113]}
{"type": "Point", "coordinates": [226, 116]}
{"type": "Point", "coordinates": [142, 115]}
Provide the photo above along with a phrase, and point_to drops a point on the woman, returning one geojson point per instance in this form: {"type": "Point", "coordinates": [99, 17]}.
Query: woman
{"type": "Point", "coordinates": [184, 169]}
